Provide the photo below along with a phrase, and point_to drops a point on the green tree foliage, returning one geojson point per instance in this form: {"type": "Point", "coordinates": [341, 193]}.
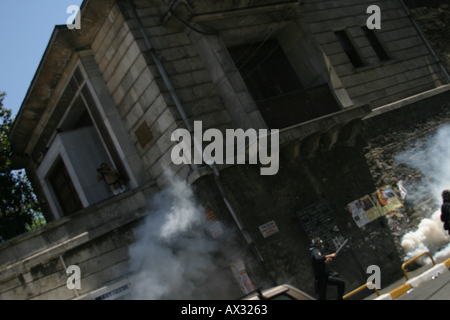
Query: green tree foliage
{"type": "Point", "coordinates": [19, 208]}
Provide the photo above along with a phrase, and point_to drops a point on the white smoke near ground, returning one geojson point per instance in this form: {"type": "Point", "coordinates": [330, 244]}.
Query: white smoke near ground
{"type": "Point", "coordinates": [173, 258]}
{"type": "Point", "coordinates": [429, 237]}
{"type": "Point", "coordinates": [432, 158]}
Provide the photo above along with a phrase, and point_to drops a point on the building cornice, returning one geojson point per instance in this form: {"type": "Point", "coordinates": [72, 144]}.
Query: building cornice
{"type": "Point", "coordinates": [63, 44]}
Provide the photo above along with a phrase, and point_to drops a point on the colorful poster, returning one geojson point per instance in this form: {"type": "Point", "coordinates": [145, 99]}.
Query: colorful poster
{"type": "Point", "coordinates": [377, 203]}
{"type": "Point", "coordinates": [369, 208]}
{"type": "Point", "coordinates": [388, 200]}
{"type": "Point", "coordinates": [380, 203]}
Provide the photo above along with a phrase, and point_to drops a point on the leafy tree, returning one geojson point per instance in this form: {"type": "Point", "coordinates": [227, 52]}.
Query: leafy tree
{"type": "Point", "coordinates": [19, 208]}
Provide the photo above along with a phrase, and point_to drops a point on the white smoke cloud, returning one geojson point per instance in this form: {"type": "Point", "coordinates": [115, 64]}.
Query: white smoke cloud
{"type": "Point", "coordinates": [432, 159]}
{"type": "Point", "coordinates": [429, 237]}
{"type": "Point", "coordinates": [171, 259]}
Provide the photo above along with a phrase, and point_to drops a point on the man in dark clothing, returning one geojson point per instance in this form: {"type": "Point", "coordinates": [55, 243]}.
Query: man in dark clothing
{"type": "Point", "coordinates": [445, 210]}
{"type": "Point", "coordinates": [321, 275]}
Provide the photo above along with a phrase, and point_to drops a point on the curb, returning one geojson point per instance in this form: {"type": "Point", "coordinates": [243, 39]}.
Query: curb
{"type": "Point", "coordinates": [394, 294]}
{"type": "Point", "coordinates": [415, 282]}
{"type": "Point", "coordinates": [441, 268]}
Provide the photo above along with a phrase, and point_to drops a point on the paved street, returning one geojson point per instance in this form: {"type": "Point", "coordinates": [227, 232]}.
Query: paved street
{"type": "Point", "coordinates": [437, 289]}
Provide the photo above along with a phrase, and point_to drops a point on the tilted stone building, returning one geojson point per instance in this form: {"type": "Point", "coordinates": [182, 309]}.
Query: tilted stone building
{"type": "Point", "coordinates": [115, 90]}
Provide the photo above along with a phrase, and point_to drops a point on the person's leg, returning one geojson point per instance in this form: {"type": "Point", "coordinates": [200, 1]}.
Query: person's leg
{"type": "Point", "coordinates": [322, 289]}
{"type": "Point", "coordinates": [340, 283]}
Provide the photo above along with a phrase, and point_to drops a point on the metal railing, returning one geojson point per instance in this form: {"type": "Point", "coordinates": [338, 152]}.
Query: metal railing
{"type": "Point", "coordinates": [365, 286]}
{"type": "Point", "coordinates": [297, 107]}
{"type": "Point", "coordinates": [415, 259]}
{"type": "Point", "coordinates": [403, 288]}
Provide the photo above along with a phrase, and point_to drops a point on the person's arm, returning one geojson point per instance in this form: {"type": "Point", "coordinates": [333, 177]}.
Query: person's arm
{"type": "Point", "coordinates": [330, 257]}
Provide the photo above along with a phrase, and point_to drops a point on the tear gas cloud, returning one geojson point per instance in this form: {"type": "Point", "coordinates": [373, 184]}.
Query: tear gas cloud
{"type": "Point", "coordinates": [432, 159]}
{"type": "Point", "coordinates": [172, 258]}
{"type": "Point", "coordinates": [429, 237]}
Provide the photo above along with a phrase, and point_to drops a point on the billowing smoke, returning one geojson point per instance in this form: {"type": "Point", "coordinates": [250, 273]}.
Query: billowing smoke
{"type": "Point", "coordinates": [429, 237]}
{"type": "Point", "coordinates": [432, 158]}
{"type": "Point", "coordinates": [173, 257]}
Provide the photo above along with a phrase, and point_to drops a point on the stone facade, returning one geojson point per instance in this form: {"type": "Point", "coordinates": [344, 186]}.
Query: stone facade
{"type": "Point", "coordinates": [433, 19]}
{"type": "Point", "coordinates": [379, 83]}
{"type": "Point", "coordinates": [96, 239]}
{"type": "Point", "coordinates": [135, 77]}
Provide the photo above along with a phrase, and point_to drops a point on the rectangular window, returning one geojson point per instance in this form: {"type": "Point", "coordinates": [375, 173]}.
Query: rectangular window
{"type": "Point", "coordinates": [375, 43]}
{"type": "Point", "coordinates": [349, 49]}
{"type": "Point", "coordinates": [266, 69]}
{"type": "Point", "coordinates": [64, 189]}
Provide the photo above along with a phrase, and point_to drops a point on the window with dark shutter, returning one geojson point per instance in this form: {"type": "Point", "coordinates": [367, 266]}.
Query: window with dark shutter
{"type": "Point", "coordinates": [376, 44]}
{"type": "Point", "coordinates": [349, 49]}
{"type": "Point", "coordinates": [64, 189]}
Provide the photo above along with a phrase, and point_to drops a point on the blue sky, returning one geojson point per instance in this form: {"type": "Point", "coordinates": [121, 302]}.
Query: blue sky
{"type": "Point", "coordinates": [25, 30]}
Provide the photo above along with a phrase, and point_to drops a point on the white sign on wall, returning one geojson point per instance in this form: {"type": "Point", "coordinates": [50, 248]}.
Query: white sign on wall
{"type": "Point", "coordinates": [268, 229]}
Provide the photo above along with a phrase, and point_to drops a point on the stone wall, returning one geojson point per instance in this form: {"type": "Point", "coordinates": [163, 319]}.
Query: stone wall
{"type": "Point", "coordinates": [434, 20]}
{"type": "Point", "coordinates": [95, 239]}
{"type": "Point", "coordinates": [134, 89]}
{"type": "Point", "coordinates": [407, 132]}
{"type": "Point", "coordinates": [337, 176]}
{"type": "Point", "coordinates": [137, 86]}
{"type": "Point", "coordinates": [411, 69]}
{"type": "Point", "coordinates": [140, 93]}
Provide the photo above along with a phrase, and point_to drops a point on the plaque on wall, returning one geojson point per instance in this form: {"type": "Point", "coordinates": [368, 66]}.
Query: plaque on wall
{"type": "Point", "coordinates": [143, 134]}
{"type": "Point", "coordinates": [318, 222]}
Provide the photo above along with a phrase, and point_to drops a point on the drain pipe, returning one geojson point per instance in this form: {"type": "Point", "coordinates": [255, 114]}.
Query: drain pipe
{"type": "Point", "coordinates": [189, 127]}
{"type": "Point", "coordinates": [160, 66]}
{"type": "Point", "coordinates": [424, 39]}
{"type": "Point", "coordinates": [238, 221]}
{"type": "Point", "coordinates": [164, 75]}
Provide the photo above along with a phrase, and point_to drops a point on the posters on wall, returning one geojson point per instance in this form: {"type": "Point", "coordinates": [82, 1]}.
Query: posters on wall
{"type": "Point", "coordinates": [370, 207]}
{"type": "Point", "coordinates": [268, 229]}
{"type": "Point", "coordinates": [358, 213]}
{"type": "Point", "coordinates": [213, 225]}
{"type": "Point", "coordinates": [317, 220]}
{"type": "Point", "coordinates": [241, 276]}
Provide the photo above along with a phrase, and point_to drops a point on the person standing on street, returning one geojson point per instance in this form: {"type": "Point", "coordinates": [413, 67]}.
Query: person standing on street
{"type": "Point", "coordinates": [445, 210]}
{"type": "Point", "coordinates": [322, 276]}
